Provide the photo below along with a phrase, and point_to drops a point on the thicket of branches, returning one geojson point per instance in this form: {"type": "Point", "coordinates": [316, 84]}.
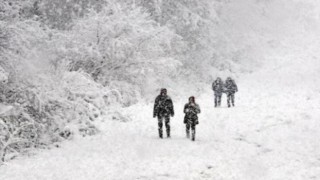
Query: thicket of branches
{"type": "Point", "coordinates": [61, 70]}
{"type": "Point", "coordinates": [65, 64]}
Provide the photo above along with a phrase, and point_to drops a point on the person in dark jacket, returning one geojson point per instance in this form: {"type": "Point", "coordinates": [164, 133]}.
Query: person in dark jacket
{"type": "Point", "coordinates": [230, 88]}
{"type": "Point", "coordinates": [191, 109]}
{"type": "Point", "coordinates": [163, 109]}
{"type": "Point", "coordinates": [217, 87]}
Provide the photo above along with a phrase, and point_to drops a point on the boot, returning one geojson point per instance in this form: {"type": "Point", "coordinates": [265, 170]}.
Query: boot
{"type": "Point", "coordinates": [168, 133]}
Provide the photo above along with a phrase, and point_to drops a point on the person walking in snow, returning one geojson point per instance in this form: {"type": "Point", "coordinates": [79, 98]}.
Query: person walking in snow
{"type": "Point", "coordinates": [191, 110]}
{"type": "Point", "coordinates": [217, 87]}
{"type": "Point", "coordinates": [230, 88]}
{"type": "Point", "coordinates": [163, 109]}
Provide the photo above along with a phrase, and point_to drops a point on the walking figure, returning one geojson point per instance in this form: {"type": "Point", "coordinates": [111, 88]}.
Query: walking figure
{"type": "Point", "coordinates": [217, 87]}
{"type": "Point", "coordinates": [191, 109]}
{"type": "Point", "coordinates": [230, 88]}
{"type": "Point", "coordinates": [163, 109]}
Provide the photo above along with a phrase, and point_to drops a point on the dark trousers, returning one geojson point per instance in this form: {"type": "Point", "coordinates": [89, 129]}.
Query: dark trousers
{"type": "Point", "coordinates": [230, 98]}
{"type": "Point", "coordinates": [191, 125]}
{"type": "Point", "coordinates": [166, 119]}
{"type": "Point", "coordinates": [217, 99]}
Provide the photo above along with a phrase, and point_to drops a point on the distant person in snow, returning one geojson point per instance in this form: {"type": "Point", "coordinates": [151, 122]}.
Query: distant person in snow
{"type": "Point", "coordinates": [217, 87]}
{"type": "Point", "coordinates": [230, 89]}
{"type": "Point", "coordinates": [163, 109]}
{"type": "Point", "coordinates": [191, 110]}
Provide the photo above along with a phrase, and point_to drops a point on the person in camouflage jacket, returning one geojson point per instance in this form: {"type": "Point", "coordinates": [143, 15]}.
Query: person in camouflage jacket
{"type": "Point", "coordinates": [163, 109]}
{"type": "Point", "coordinates": [217, 87]}
{"type": "Point", "coordinates": [191, 109]}
{"type": "Point", "coordinates": [230, 88]}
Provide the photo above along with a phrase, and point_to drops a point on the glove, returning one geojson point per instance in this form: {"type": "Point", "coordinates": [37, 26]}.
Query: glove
{"type": "Point", "coordinates": [154, 116]}
{"type": "Point", "coordinates": [197, 122]}
{"type": "Point", "coordinates": [172, 115]}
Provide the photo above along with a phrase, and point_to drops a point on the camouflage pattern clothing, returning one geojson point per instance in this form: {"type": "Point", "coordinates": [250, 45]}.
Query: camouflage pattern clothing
{"type": "Point", "coordinates": [231, 88]}
{"type": "Point", "coordinates": [163, 109]}
{"type": "Point", "coordinates": [217, 87]}
{"type": "Point", "coordinates": [191, 118]}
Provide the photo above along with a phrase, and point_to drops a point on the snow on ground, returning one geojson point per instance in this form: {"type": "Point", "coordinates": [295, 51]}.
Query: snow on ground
{"type": "Point", "coordinates": [271, 134]}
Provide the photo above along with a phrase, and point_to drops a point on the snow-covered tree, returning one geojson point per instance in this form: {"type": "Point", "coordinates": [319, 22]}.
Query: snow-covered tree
{"type": "Point", "coordinates": [119, 44]}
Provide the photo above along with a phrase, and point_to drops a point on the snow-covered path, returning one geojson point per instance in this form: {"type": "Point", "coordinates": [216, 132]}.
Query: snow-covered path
{"type": "Point", "coordinates": [272, 134]}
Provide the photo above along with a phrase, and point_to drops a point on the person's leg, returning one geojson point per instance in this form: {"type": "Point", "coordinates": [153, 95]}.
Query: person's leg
{"type": "Point", "coordinates": [193, 130]}
{"type": "Point", "coordinates": [232, 99]}
{"type": "Point", "coordinates": [160, 124]}
{"type": "Point", "coordinates": [219, 99]}
{"type": "Point", "coordinates": [188, 129]}
{"type": "Point", "coordinates": [215, 100]}
{"type": "Point", "coordinates": [228, 98]}
{"type": "Point", "coordinates": [167, 121]}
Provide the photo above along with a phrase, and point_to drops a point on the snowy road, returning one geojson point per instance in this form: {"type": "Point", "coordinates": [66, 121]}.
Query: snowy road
{"type": "Point", "coordinates": [269, 135]}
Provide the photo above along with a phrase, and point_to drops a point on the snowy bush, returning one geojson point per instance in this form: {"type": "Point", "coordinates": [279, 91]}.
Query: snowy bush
{"type": "Point", "coordinates": [21, 129]}
{"type": "Point", "coordinates": [118, 45]}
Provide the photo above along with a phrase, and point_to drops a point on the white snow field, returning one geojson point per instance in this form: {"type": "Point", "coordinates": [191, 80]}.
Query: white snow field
{"type": "Point", "coordinates": [272, 134]}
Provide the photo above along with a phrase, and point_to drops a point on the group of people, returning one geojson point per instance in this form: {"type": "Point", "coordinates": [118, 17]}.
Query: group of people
{"type": "Point", "coordinates": [219, 87]}
{"type": "Point", "coordinates": [163, 107]}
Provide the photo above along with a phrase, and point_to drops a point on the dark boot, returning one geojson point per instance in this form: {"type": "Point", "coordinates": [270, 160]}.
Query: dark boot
{"type": "Point", "coordinates": [168, 133]}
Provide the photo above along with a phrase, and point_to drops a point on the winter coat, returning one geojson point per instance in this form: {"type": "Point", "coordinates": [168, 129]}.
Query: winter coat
{"type": "Point", "coordinates": [163, 106]}
{"type": "Point", "coordinates": [231, 87]}
{"type": "Point", "coordinates": [191, 111]}
{"type": "Point", "coordinates": [217, 87]}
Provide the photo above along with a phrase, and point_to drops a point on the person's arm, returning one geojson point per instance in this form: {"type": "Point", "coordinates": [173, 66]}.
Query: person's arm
{"type": "Point", "coordinates": [185, 109]}
{"type": "Point", "coordinates": [198, 109]}
{"type": "Point", "coordinates": [171, 107]}
{"type": "Point", "coordinates": [227, 87]}
{"type": "Point", "coordinates": [155, 107]}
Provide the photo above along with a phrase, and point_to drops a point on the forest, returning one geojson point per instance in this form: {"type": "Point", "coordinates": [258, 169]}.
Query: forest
{"type": "Point", "coordinates": [66, 64]}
